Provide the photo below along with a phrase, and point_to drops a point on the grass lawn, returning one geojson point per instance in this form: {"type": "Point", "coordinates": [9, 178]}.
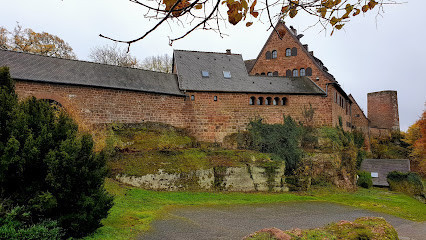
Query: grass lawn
{"type": "Point", "coordinates": [135, 209]}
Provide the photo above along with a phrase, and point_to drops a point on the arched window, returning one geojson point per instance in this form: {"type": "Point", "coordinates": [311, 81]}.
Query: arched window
{"type": "Point", "coordinates": [295, 72]}
{"type": "Point", "coordinates": [260, 101]}
{"type": "Point", "coordinates": [276, 101]}
{"type": "Point", "coordinates": [288, 73]}
{"type": "Point", "coordinates": [252, 101]}
{"type": "Point", "coordinates": [268, 101]}
{"type": "Point", "coordinates": [215, 98]}
{"type": "Point", "coordinates": [283, 101]}
{"type": "Point", "coordinates": [263, 74]}
{"type": "Point", "coordinates": [268, 55]}
{"type": "Point", "coordinates": [274, 54]}
{"type": "Point", "coordinates": [275, 74]}
{"type": "Point", "coordinates": [257, 74]}
{"type": "Point", "coordinates": [270, 74]}
{"type": "Point", "coordinates": [294, 51]}
{"type": "Point", "coordinates": [288, 52]}
{"type": "Point", "coordinates": [309, 71]}
{"type": "Point", "coordinates": [302, 72]}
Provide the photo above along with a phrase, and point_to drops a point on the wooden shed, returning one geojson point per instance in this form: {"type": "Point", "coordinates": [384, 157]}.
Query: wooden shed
{"type": "Point", "coordinates": [379, 168]}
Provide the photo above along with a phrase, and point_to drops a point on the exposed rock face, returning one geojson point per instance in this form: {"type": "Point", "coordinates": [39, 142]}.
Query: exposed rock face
{"type": "Point", "coordinates": [239, 179]}
{"type": "Point", "coordinates": [274, 233]}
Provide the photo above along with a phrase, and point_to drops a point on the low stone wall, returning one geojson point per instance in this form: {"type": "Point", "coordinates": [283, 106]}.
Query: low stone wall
{"type": "Point", "coordinates": [250, 178]}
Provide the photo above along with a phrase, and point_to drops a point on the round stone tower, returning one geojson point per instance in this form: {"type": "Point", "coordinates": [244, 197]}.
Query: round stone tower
{"type": "Point", "coordinates": [383, 110]}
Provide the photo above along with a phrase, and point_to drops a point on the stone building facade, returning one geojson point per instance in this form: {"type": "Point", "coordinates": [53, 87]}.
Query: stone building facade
{"type": "Point", "coordinates": [210, 94]}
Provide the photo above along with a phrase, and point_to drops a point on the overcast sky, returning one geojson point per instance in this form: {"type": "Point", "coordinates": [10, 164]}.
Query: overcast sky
{"type": "Point", "coordinates": [371, 53]}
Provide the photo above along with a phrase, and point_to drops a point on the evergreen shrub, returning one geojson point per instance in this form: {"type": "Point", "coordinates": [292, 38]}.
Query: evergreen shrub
{"type": "Point", "coordinates": [409, 183]}
{"type": "Point", "coordinates": [364, 179]}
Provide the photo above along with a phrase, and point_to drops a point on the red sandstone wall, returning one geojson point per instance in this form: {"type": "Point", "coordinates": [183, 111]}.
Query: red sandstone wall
{"type": "Point", "coordinates": [383, 110]}
{"type": "Point", "coordinates": [213, 120]}
{"type": "Point", "coordinates": [89, 105]}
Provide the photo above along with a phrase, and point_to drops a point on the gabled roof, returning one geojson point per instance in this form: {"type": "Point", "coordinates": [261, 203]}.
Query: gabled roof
{"type": "Point", "coordinates": [314, 59]}
{"type": "Point", "coordinates": [249, 64]}
{"type": "Point", "coordinates": [31, 67]}
{"type": "Point", "coordinates": [382, 167]}
{"type": "Point", "coordinates": [190, 64]}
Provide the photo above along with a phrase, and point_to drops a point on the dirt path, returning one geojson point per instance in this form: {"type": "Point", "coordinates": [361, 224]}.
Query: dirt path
{"type": "Point", "coordinates": [235, 222]}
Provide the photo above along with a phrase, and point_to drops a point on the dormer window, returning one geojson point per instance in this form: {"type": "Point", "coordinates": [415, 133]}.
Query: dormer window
{"type": "Point", "coordinates": [226, 74]}
{"type": "Point", "coordinates": [205, 74]}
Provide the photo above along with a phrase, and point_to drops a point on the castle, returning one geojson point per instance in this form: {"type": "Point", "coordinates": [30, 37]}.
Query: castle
{"type": "Point", "coordinates": [210, 94]}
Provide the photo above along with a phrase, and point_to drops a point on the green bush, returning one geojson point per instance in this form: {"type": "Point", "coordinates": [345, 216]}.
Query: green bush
{"type": "Point", "coordinates": [364, 179]}
{"type": "Point", "coordinates": [280, 139]}
{"type": "Point", "coordinates": [47, 167]}
{"type": "Point", "coordinates": [409, 183]}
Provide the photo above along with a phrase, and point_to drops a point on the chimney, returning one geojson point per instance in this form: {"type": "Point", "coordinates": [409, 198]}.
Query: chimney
{"type": "Point", "coordinates": [294, 30]}
{"type": "Point", "coordinates": [228, 51]}
{"type": "Point", "coordinates": [306, 46]}
{"type": "Point", "coordinates": [312, 53]}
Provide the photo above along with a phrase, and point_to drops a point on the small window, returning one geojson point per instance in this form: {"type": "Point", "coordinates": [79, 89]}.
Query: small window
{"type": "Point", "coordinates": [274, 54]}
{"type": "Point", "coordinates": [309, 71]}
{"type": "Point", "coordinates": [268, 55]}
{"type": "Point", "coordinates": [192, 97]}
{"type": "Point", "coordinates": [257, 74]}
{"type": "Point", "coordinates": [335, 97]}
{"type": "Point", "coordinates": [226, 74]}
{"type": "Point", "coordinates": [275, 74]}
{"type": "Point", "coordinates": [302, 72]}
{"type": "Point", "coordinates": [215, 98]}
{"type": "Point", "coordinates": [295, 72]}
{"type": "Point", "coordinates": [252, 101]}
{"type": "Point", "coordinates": [268, 101]}
{"type": "Point", "coordinates": [270, 74]}
{"type": "Point", "coordinates": [374, 174]}
{"type": "Point", "coordinates": [263, 74]}
{"type": "Point", "coordinates": [294, 51]}
{"type": "Point", "coordinates": [288, 73]}
{"type": "Point", "coordinates": [276, 101]}
{"type": "Point", "coordinates": [288, 52]}
{"type": "Point", "coordinates": [205, 74]}
{"type": "Point", "coordinates": [283, 101]}
{"type": "Point", "coordinates": [260, 101]}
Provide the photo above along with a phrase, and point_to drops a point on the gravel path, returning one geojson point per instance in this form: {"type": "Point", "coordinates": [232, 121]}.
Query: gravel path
{"type": "Point", "coordinates": [235, 222]}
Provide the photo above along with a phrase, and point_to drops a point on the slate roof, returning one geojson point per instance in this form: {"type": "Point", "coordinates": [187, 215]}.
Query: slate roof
{"type": "Point", "coordinates": [189, 65]}
{"type": "Point", "coordinates": [250, 64]}
{"type": "Point", "coordinates": [383, 167]}
{"type": "Point", "coordinates": [31, 67]}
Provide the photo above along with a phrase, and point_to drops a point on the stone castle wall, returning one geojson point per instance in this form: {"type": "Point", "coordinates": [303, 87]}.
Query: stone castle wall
{"type": "Point", "coordinates": [383, 110]}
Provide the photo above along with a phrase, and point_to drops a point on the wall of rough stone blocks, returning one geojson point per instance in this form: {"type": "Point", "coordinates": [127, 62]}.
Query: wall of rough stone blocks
{"type": "Point", "coordinates": [213, 120]}
{"type": "Point", "coordinates": [383, 110]}
{"type": "Point", "coordinates": [91, 105]}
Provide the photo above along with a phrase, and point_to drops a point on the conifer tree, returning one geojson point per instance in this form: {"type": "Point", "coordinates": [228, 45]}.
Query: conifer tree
{"type": "Point", "coordinates": [47, 167]}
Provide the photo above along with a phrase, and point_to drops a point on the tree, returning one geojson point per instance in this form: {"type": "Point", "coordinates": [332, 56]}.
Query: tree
{"type": "Point", "coordinates": [416, 137]}
{"type": "Point", "coordinates": [26, 40]}
{"type": "Point", "coordinates": [113, 55]}
{"type": "Point", "coordinates": [160, 63]}
{"type": "Point", "coordinates": [208, 14]}
{"type": "Point", "coordinates": [47, 167]}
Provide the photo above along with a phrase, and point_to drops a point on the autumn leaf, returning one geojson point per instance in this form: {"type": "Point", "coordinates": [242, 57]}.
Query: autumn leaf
{"type": "Point", "coordinates": [334, 20]}
{"type": "Point", "coordinates": [365, 8]}
{"type": "Point", "coordinates": [372, 4]}
{"type": "Point", "coordinates": [198, 6]}
{"type": "Point", "coordinates": [339, 26]}
{"type": "Point", "coordinates": [293, 13]}
{"type": "Point", "coordinates": [248, 24]}
{"type": "Point", "coordinates": [357, 11]}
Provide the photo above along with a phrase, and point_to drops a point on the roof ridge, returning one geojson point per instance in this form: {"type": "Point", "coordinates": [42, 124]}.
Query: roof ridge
{"type": "Point", "coordinates": [224, 53]}
{"type": "Point", "coordinates": [82, 61]}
